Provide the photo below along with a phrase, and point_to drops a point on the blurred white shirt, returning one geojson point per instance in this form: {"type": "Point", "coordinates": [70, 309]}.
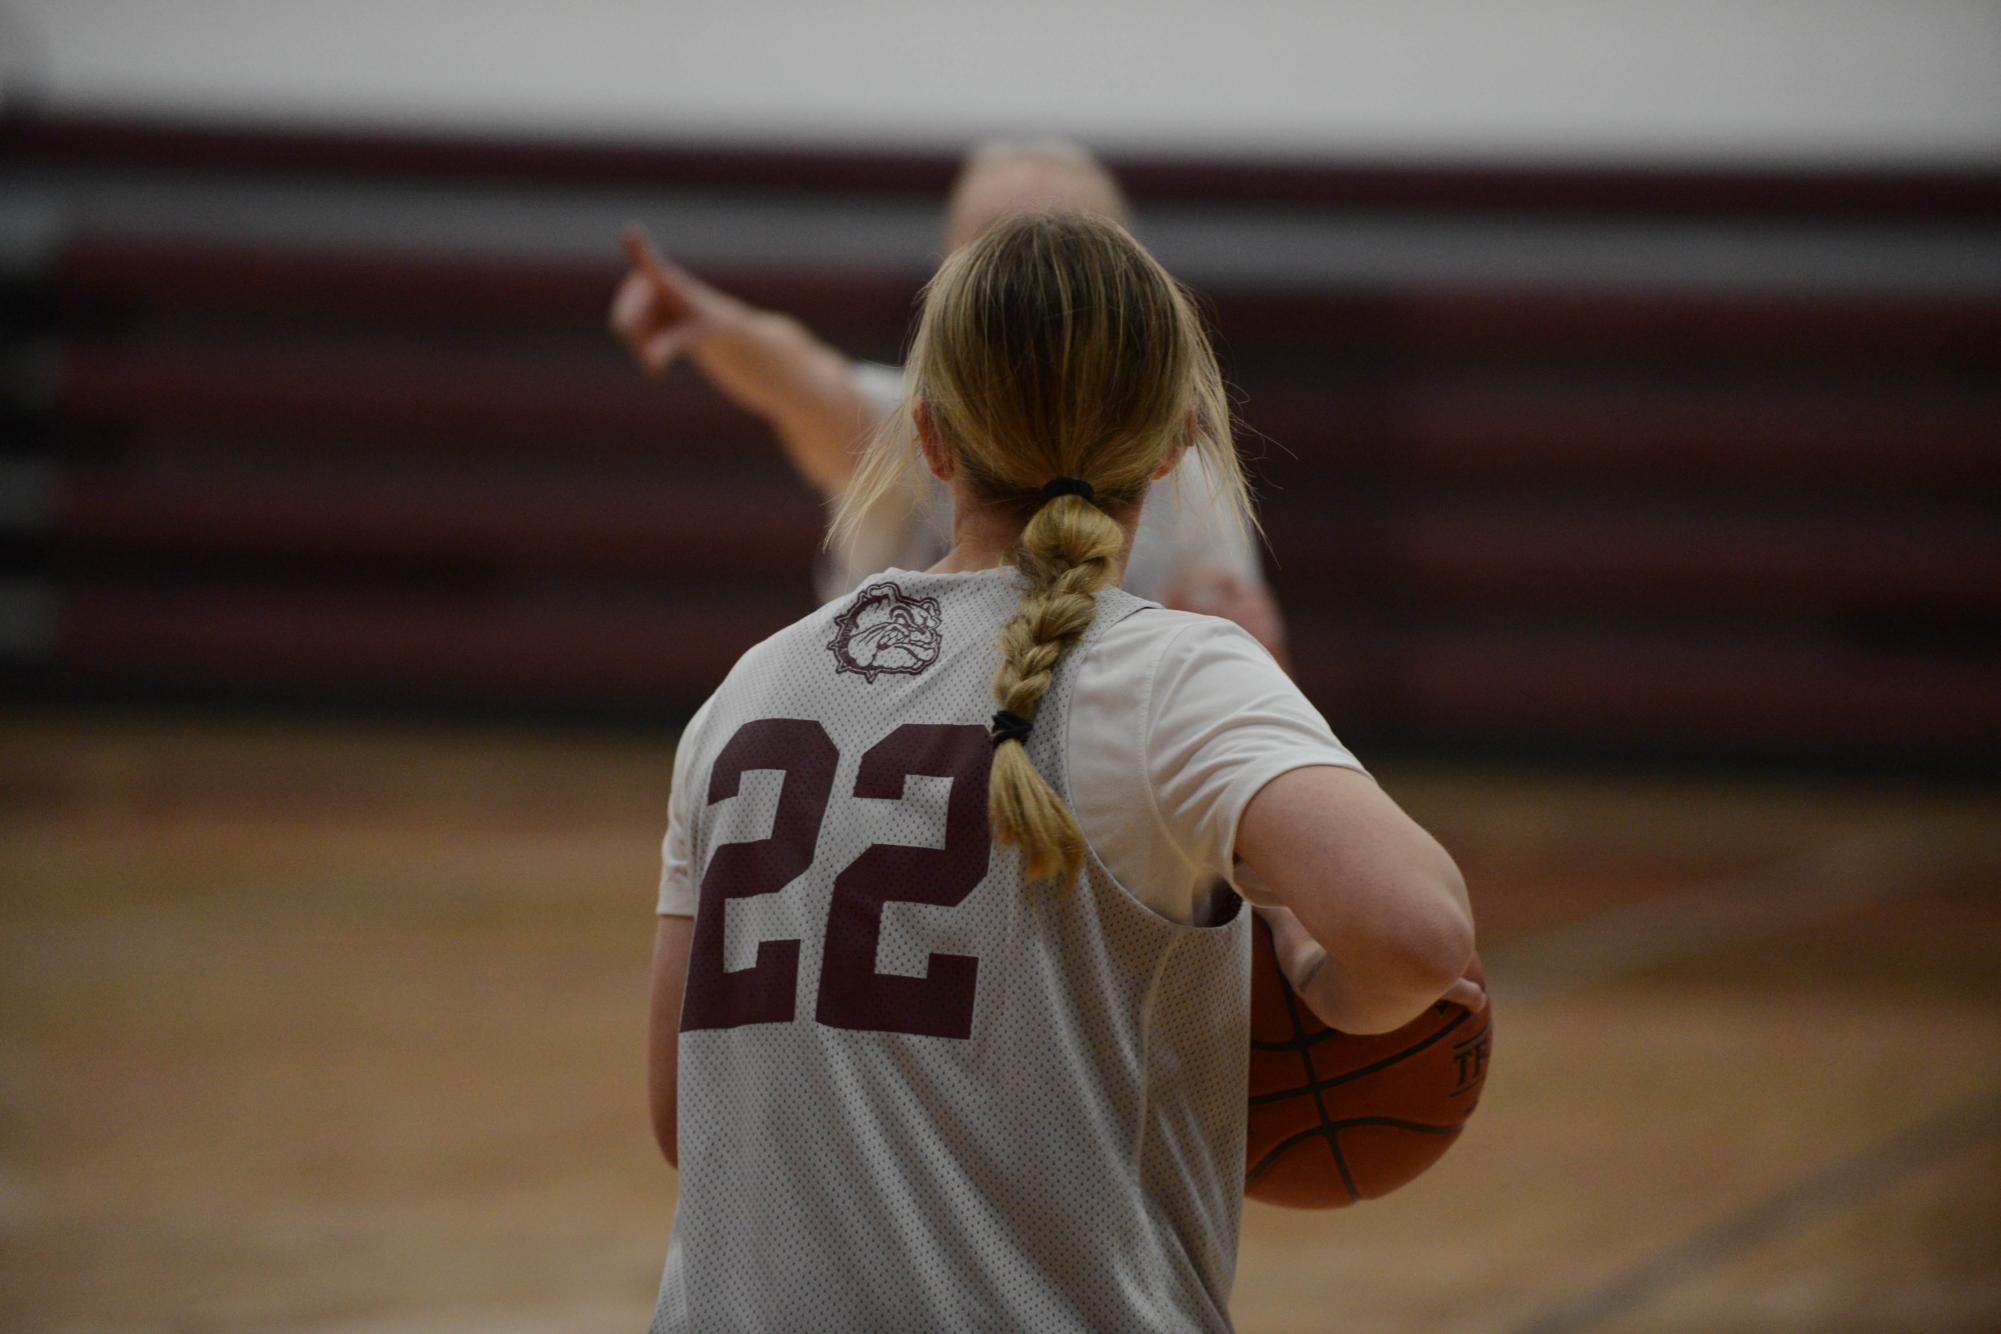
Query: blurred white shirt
{"type": "Point", "coordinates": [1182, 525]}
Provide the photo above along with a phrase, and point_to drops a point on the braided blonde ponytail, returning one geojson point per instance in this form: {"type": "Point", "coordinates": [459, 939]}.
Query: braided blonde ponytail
{"type": "Point", "coordinates": [1069, 550]}
{"type": "Point", "coordinates": [1062, 368]}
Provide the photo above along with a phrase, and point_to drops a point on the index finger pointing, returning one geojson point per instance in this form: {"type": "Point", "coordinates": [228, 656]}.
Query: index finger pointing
{"type": "Point", "coordinates": [668, 283]}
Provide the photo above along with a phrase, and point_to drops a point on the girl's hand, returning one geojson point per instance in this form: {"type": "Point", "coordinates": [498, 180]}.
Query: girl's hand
{"type": "Point", "coordinates": [661, 310]}
{"type": "Point", "coordinates": [1467, 994]}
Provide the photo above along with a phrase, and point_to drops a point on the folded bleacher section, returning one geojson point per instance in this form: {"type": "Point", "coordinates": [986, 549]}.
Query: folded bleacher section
{"type": "Point", "coordinates": [1630, 463]}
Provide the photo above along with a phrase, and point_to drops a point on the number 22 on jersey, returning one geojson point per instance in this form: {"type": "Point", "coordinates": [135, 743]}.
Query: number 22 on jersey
{"type": "Point", "coordinates": [852, 994]}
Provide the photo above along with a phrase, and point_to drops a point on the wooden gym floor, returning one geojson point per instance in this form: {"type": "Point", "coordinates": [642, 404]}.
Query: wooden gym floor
{"type": "Point", "coordinates": [317, 1027]}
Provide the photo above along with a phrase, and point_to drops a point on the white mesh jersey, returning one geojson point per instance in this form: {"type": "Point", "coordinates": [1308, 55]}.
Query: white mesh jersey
{"type": "Point", "coordinates": [915, 1093]}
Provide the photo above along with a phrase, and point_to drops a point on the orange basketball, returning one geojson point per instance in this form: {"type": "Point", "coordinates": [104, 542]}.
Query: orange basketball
{"type": "Point", "coordinates": [1336, 1118]}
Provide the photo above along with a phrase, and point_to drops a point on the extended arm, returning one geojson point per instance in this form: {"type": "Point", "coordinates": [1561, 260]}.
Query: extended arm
{"type": "Point", "coordinates": [768, 364]}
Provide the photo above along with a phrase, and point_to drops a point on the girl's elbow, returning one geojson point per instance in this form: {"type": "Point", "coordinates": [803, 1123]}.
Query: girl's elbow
{"type": "Point", "coordinates": [1434, 952]}
{"type": "Point", "coordinates": [1444, 950]}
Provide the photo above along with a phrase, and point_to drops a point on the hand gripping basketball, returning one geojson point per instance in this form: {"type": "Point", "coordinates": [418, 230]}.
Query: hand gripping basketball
{"type": "Point", "coordinates": [1336, 1118]}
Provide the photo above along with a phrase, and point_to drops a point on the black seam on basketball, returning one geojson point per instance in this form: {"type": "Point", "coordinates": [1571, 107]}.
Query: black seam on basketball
{"type": "Point", "coordinates": [1341, 1165]}
{"type": "Point", "coordinates": [1299, 1032]}
{"type": "Point", "coordinates": [1258, 1168]}
{"type": "Point", "coordinates": [1331, 1133]}
{"type": "Point", "coordinates": [1386, 1061]}
{"type": "Point", "coordinates": [1394, 1123]}
{"type": "Point", "coordinates": [1325, 1034]}
{"type": "Point", "coordinates": [1299, 1041]}
{"type": "Point", "coordinates": [1306, 1059]}
{"type": "Point", "coordinates": [1293, 1140]}
{"type": "Point", "coordinates": [1468, 1041]}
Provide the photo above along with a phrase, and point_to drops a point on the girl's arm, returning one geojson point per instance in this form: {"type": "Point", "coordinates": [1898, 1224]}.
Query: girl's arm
{"type": "Point", "coordinates": [1370, 887]}
{"type": "Point", "coordinates": [768, 364]}
{"type": "Point", "coordinates": [671, 940]}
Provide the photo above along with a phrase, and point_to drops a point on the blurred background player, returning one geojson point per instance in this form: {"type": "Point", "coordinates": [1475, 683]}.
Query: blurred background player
{"type": "Point", "coordinates": [1028, 1091]}
{"type": "Point", "coordinates": [823, 405]}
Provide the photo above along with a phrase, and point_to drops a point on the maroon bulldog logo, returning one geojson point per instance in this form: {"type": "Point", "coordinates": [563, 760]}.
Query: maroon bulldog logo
{"type": "Point", "coordinates": [884, 631]}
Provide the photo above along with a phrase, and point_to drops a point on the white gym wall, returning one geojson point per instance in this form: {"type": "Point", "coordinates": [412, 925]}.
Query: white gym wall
{"type": "Point", "coordinates": [1696, 80]}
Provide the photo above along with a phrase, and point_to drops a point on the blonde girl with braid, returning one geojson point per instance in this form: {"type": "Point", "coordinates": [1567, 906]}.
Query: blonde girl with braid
{"type": "Point", "coordinates": [950, 1014]}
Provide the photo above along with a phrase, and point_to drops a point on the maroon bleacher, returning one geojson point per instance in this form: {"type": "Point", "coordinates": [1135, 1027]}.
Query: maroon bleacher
{"type": "Point", "coordinates": [1634, 521]}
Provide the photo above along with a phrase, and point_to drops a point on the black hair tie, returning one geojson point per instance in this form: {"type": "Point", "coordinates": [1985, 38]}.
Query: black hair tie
{"type": "Point", "coordinates": [1069, 486]}
{"type": "Point", "coordinates": [1009, 727]}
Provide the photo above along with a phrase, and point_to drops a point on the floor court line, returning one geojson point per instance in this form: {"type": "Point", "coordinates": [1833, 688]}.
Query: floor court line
{"type": "Point", "coordinates": [1821, 882]}
{"type": "Point", "coordinates": [1849, 1181]}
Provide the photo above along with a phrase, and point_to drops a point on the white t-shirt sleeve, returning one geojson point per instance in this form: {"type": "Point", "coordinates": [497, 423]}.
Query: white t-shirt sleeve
{"type": "Point", "coordinates": [881, 385]}
{"type": "Point", "coordinates": [1222, 721]}
{"type": "Point", "coordinates": [1186, 526]}
{"type": "Point", "coordinates": [1176, 722]}
{"type": "Point", "coordinates": [1205, 533]}
{"type": "Point", "coordinates": [679, 891]}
